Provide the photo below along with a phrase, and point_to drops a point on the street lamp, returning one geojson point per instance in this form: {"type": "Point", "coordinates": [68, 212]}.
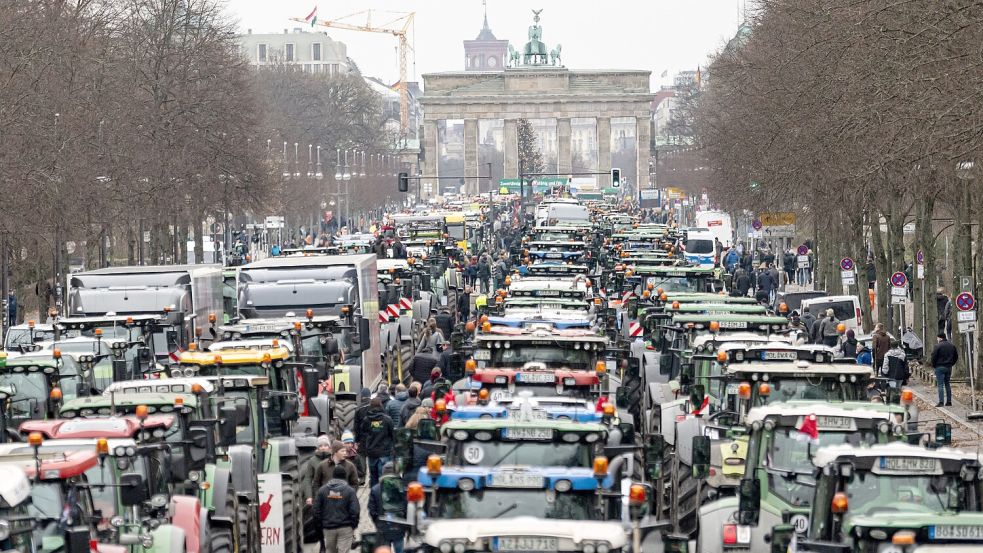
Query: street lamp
{"type": "Point", "coordinates": [337, 165]}
{"type": "Point", "coordinates": [318, 175]}
{"type": "Point", "coordinates": [286, 174]}
{"type": "Point", "coordinates": [296, 161]}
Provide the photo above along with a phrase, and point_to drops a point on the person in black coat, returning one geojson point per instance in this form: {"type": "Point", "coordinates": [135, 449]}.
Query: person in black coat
{"type": "Point", "coordinates": [337, 510]}
{"type": "Point", "coordinates": [944, 357]}
{"type": "Point", "coordinates": [378, 436]}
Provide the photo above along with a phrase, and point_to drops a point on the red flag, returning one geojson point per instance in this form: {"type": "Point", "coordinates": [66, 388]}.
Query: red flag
{"type": "Point", "coordinates": [809, 430]}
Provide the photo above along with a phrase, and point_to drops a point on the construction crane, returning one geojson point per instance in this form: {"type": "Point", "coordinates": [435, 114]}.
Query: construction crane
{"type": "Point", "coordinates": [399, 27]}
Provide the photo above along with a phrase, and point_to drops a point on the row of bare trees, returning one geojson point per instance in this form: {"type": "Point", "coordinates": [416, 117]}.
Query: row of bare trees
{"type": "Point", "coordinates": [861, 117]}
{"type": "Point", "coordinates": [125, 117]}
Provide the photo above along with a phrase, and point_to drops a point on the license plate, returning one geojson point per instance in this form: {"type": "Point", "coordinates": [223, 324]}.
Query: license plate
{"type": "Point", "coordinates": [554, 255]}
{"type": "Point", "coordinates": [529, 433]}
{"type": "Point", "coordinates": [482, 355]}
{"type": "Point", "coordinates": [536, 378]}
{"type": "Point", "coordinates": [500, 394]}
{"type": "Point", "coordinates": [732, 389]}
{"type": "Point", "coordinates": [908, 464]}
{"type": "Point", "coordinates": [955, 532]}
{"type": "Point", "coordinates": [548, 293]}
{"type": "Point", "coordinates": [517, 414]}
{"type": "Point", "coordinates": [779, 356]}
{"type": "Point", "coordinates": [526, 543]}
{"type": "Point", "coordinates": [834, 423]}
{"type": "Point", "coordinates": [733, 324]}
{"type": "Point", "coordinates": [262, 328]}
{"type": "Point", "coordinates": [516, 480]}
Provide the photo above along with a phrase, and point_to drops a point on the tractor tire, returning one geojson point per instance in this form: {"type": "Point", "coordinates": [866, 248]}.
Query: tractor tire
{"type": "Point", "coordinates": [344, 415]}
{"type": "Point", "coordinates": [247, 521]}
{"type": "Point", "coordinates": [291, 492]}
{"type": "Point", "coordinates": [686, 501]}
{"type": "Point", "coordinates": [222, 539]}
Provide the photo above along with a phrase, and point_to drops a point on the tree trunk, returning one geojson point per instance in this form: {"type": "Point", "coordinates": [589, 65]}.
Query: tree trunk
{"type": "Point", "coordinates": [880, 268]}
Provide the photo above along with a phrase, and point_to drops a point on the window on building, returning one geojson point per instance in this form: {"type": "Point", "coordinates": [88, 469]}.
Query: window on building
{"type": "Point", "coordinates": [316, 51]}
{"type": "Point", "coordinates": [261, 53]}
{"type": "Point", "coordinates": [288, 51]}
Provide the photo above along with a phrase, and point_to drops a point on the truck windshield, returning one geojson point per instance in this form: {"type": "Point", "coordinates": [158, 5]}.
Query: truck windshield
{"type": "Point", "coordinates": [554, 357]}
{"type": "Point", "coordinates": [676, 283]}
{"type": "Point", "coordinates": [872, 494]}
{"type": "Point", "coordinates": [25, 337]}
{"type": "Point", "coordinates": [789, 466]}
{"type": "Point", "coordinates": [822, 388]}
{"type": "Point", "coordinates": [31, 396]}
{"type": "Point", "coordinates": [499, 503]}
{"type": "Point", "coordinates": [529, 453]}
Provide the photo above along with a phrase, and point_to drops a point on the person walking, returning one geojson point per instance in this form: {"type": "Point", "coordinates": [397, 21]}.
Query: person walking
{"type": "Point", "coordinates": [742, 282]}
{"type": "Point", "coordinates": [412, 402]}
{"type": "Point", "coordinates": [881, 342]}
{"type": "Point", "coordinates": [378, 435]}
{"type": "Point", "coordinates": [809, 320]}
{"type": "Point", "coordinates": [11, 309]}
{"type": "Point", "coordinates": [308, 489]}
{"type": "Point", "coordinates": [390, 533]}
{"type": "Point", "coordinates": [484, 274]}
{"type": "Point", "coordinates": [944, 357]}
{"type": "Point", "coordinates": [337, 457]}
{"type": "Point", "coordinates": [360, 413]}
{"type": "Point", "coordinates": [337, 510]}
{"type": "Point", "coordinates": [895, 367]}
{"type": "Point", "coordinates": [944, 306]}
{"type": "Point", "coordinates": [849, 345]}
{"type": "Point", "coordinates": [395, 404]}
{"type": "Point", "coordinates": [828, 332]}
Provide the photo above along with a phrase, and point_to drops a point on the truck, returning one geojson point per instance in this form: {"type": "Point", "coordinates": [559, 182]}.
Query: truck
{"type": "Point", "coordinates": [343, 286]}
{"type": "Point", "coordinates": [718, 223]}
{"type": "Point", "coordinates": [186, 295]}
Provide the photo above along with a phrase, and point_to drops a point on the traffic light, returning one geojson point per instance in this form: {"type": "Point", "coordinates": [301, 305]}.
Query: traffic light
{"type": "Point", "coordinates": [404, 182]}
{"type": "Point", "coordinates": [616, 177]}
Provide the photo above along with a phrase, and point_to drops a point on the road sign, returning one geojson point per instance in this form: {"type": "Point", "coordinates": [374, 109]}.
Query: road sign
{"type": "Point", "coordinates": [803, 261]}
{"type": "Point", "coordinates": [899, 279]}
{"type": "Point", "coordinates": [965, 302]}
{"type": "Point", "coordinates": [778, 219]}
{"type": "Point", "coordinates": [967, 326]}
{"type": "Point", "coordinates": [920, 257]}
{"type": "Point", "coordinates": [899, 300]}
{"type": "Point", "coordinates": [920, 272]}
{"type": "Point", "coordinates": [848, 277]}
{"type": "Point", "coordinates": [899, 291]}
{"type": "Point", "coordinates": [846, 264]}
{"type": "Point", "coordinates": [803, 250]}
{"type": "Point", "coordinates": [756, 224]}
{"type": "Point", "coordinates": [965, 316]}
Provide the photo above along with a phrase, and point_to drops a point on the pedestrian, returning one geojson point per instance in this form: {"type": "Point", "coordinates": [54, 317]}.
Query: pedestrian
{"type": "Point", "coordinates": [11, 309]}
{"type": "Point", "coordinates": [788, 264]}
{"type": "Point", "coordinates": [944, 357]}
{"type": "Point", "coordinates": [848, 347]}
{"type": "Point", "coordinates": [445, 357]}
{"type": "Point", "coordinates": [308, 470]}
{"type": "Point", "coordinates": [944, 307]}
{"type": "Point", "coordinates": [766, 282]}
{"type": "Point", "coordinates": [464, 305]}
{"type": "Point", "coordinates": [399, 250]}
{"type": "Point", "coordinates": [337, 510]}
{"type": "Point", "coordinates": [412, 402]}
{"type": "Point", "coordinates": [809, 320]}
{"type": "Point", "coordinates": [895, 367]}
{"type": "Point", "coordinates": [432, 336]}
{"type": "Point", "coordinates": [445, 322]}
{"type": "Point", "coordinates": [358, 417]}
{"type": "Point", "coordinates": [388, 532]}
{"type": "Point", "coordinates": [275, 250]}
{"type": "Point", "coordinates": [484, 275]}
{"type": "Point", "coordinates": [420, 413]}
{"type": "Point", "coordinates": [383, 394]}
{"type": "Point", "coordinates": [428, 386]}
{"type": "Point", "coordinates": [828, 332]}
{"type": "Point", "coordinates": [395, 405]}
{"type": "Point", "coordinates": [880, 343]}
{"type": "Point", "coordinates": [742, 282]}
{"type": "Point", "coordinates": [338, 456]}
{"type": "Point", "coordinates": [378, 438]}
{"type": "Point", "coordinates": [731, 259]}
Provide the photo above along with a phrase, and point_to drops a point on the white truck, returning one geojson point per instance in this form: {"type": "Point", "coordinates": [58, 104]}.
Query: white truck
{"type": "Point", "coordinates": [719, 225]}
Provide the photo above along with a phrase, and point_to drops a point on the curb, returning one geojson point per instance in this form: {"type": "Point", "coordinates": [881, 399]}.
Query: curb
{"type": "Point", "coordinates": [975, 428]}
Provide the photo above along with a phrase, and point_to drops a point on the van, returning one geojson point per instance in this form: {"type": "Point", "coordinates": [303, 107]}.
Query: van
{"type": "Point", "coordinates": [846, 309]}
{"type": "Point", "coordinates": [718, 224]}
{"type": "Point", "coordinates": [699, 248]}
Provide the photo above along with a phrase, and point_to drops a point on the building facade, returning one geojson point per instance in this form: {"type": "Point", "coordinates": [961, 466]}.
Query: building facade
{"type": "Point", "coordinates": [485, 53]}
{"type": "Point", "coordinates": [583, 121]}
{"type": "Point", "coordinates": [310, 52]}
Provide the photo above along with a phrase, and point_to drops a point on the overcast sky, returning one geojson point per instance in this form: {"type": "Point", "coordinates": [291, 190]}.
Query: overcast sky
{"type": "Point", "coordinates": [658, 35]}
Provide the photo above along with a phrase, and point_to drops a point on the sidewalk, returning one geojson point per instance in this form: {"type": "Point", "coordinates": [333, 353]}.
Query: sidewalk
{"type": "Point", "coordinates": [964, 432]}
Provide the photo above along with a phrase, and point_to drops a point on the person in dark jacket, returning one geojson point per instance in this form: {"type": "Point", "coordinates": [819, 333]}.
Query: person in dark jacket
{"type": "Point", "coordinates": [378, 437]}
{"type": "Point", "coordinates": [337, 510]}
{"type": "Point", "coordinates": [944, 307]}
{"type": "Point", "coordinates": [895, 367]}
{"type": "Point", "coordinates": [338, 457]}
{"type": "Point", "coordinates": [363, 409]}
{"type": "Point", "coordinates": [944, 357]}
{"type": "Point", "coordinates": [427, 389]}
{"type": "Point", "coordinates": [484, 275]}
{"type": "Point", "coordinates": [399, 250]}
{"type": "Point", "coordinates": [880, 343]}
{"type": "Point", "coordinates": [395, 405]}
{"type": "Point", "coordinates": [308, 470]}
{"type": "Point", "coordinates": [390, 533]}
{"type": "Point", "coordinates": [809, 320]}
{"type": "Point", "coordinates": [445, 323]}
{"type": "Point", "coordinates": [383, 394]}
{"type": "Point", "coordinates": [412, 402]}
{"type": "Point", "coordinates": [849, 345]}
{"type": "Point", "coordinates": [464, 305]}
{"type": "Point", "coordinates": [742, 282]}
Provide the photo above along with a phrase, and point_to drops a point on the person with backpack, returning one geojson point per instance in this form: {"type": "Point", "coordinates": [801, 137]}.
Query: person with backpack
{"type": "Point", "coordinates": [378, 436]}
{"type": "Point", "coordinates": [895, 366]}
{"type": "Point", "coordinates": [337, 511]}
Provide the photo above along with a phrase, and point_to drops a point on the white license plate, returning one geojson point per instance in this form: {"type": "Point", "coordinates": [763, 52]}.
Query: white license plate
{"type": "Point", "coordinates": [834, 423]}
{"type": "Point", "coordinates": [732, 389]}
{"type": "Point", "coordinates": [554, 255]}
{"type": "Point", "coordinates": [733, 324]}
{"type": "Point", "coordinates": [517, 414]}
{"type": "Point", "coordinates": [500, 394]}
{"type": "Point", "coordinates": [526, 543]}
{"type": "Point", "coordinates": [779, 356]}
{"type": "Point", "coordinates": [482, 355]}
{"type": "Point", "coordinates": [955, 532]}
{"type": "Point", "coordinates": [529, 433]}
{"type": "Point", "coordinates": [516, 480]}
{"type": "Point", "coordinates": [908, 464]}
{"type": "Point", "coordinates": [262, 328]}
{"type": "Point", "coordinates": [537, 378]}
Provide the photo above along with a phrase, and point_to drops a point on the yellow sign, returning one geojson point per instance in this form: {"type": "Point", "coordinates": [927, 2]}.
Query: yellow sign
{"type": "Point", "coordinates": [674, 193]}
{"type": "Point", "coordinates": [780, 219]}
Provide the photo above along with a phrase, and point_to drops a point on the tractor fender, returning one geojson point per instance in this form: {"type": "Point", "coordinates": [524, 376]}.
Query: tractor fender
{"type": "Point", "coordinates": [713, 516]}
{"type": "Point", "coordinates": [220, 490]}
{"type": "Point", "coordinates": [686, 429]}
{"type": "Point", "coordinates": [285, 447]}
{"type": "Point", "coordinates": [651, 364]}
{"type": "Point", "coordinates": [322, 406]}
{"type": "Point", "coordinates": [669, 410]}
{"type": "Point", "coordinates": [187, 516]}
{"type": "Point", "coordinates": [243, 472]}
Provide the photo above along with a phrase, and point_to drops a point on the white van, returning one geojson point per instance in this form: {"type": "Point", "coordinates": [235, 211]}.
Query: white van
{"type": "Point", "coordinates": [553, 214]}
{"type": "Point", "coordinates": [845, 308]}
{"type": "Point", "coordinates": [699, 247]}
{"type": "Point", "coordinates": [719, 225]}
